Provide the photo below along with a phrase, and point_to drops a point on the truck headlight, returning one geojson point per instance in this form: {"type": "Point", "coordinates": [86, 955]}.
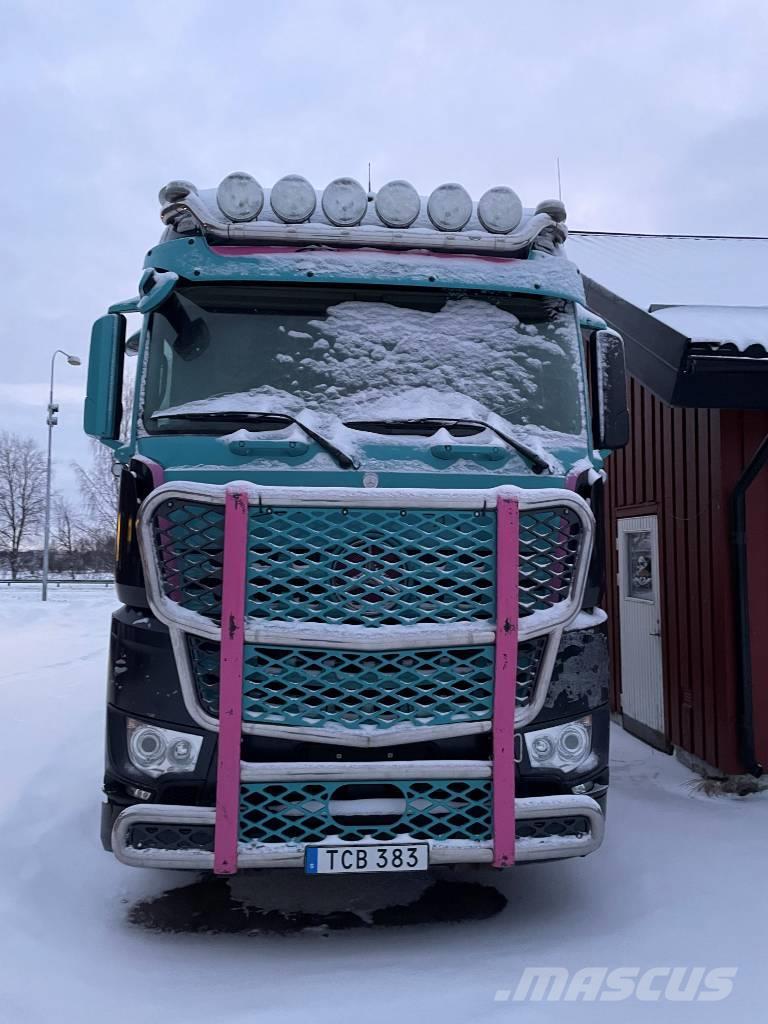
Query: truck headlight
{"type": "Point", "coordinates": [157, 751]}
{"type": "Point", "coordinates": [566, 747]}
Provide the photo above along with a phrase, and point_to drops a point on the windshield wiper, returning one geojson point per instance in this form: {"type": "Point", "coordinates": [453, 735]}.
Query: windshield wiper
{"type": "Point", "coordinates": [344, 460]}
{"type": "Point", "coordinates": [538, 464]}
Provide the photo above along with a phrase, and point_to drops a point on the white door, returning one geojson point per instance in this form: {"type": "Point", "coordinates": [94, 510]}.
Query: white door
{"type": "Point", "coordinates": [642, 689]}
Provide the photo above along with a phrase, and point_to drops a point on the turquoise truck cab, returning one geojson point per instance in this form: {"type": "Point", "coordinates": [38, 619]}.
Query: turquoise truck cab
{"type": "Point", "coordinates": [358, 547]}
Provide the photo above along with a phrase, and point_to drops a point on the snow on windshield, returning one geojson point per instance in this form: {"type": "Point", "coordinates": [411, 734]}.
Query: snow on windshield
{"type": "Point", "coordinates": [377, 360]}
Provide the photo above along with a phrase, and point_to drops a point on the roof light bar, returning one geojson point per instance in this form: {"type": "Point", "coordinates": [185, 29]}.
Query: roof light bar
{"type": "Point", "coordinates": [396, 217]}
{"type": "Point", "coordinates": [240, 197]}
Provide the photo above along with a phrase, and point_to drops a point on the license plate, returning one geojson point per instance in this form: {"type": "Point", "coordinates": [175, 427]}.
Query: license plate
{"type": "Point", "coordinates": [347, 860]}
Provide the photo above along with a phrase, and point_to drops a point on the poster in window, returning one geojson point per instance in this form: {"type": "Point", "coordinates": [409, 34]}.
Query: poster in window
{"type": "Point", "coordinates": [640, 562]}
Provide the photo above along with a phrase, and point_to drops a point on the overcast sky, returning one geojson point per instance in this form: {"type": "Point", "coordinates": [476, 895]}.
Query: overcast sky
{"type": "Point", "coordinates": [657, 111]}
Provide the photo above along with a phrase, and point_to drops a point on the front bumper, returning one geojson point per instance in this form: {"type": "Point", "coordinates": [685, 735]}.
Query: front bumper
{"type": "Point", "coordinates": [548, 828]}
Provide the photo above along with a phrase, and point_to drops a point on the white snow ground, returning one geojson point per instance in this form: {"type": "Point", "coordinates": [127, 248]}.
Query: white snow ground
{"type": "Point", "coordinates": [680, 881]}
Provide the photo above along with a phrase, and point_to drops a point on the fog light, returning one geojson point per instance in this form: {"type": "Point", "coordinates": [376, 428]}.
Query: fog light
{"type": "Point", "coordinates": [157, 751]}
{"type": "Point", "coordinates": [565, 747]}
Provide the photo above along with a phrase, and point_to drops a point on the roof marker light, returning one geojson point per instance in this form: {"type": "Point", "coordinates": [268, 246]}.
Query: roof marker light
{"type": "Point", "coordinates": [554, 207]}
{"type": "Point", "coordinates": [240, 197]}
{"type": "Point", "coordinates": [293, 199]}
{"type": "Point", "coordinates": [500, 210]}
{"type": "Point", "coordinates": [175, 190]}
{"type": "Point", "coordinates": [344, 202]}
{"type": "Point", "coordinates": [397, 204]}
{"type": "Point", "coordinates": [449, 207]}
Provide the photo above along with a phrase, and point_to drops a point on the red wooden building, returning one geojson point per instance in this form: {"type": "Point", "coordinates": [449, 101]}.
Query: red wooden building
{"type": "Point", "coordinates": [687, 500]}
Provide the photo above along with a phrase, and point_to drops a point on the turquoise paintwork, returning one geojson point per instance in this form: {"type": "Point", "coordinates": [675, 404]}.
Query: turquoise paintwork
{"type": "Point", "coordinates": [201, 456]}
{"type": "Point", "coordinates": [154, 292]}
{"type": "Point", "coordinates": [104, 374]}
{"type": "Point", "coordinates": [416, 462]}
{"type": "Point", "coordinates": [193, 259]}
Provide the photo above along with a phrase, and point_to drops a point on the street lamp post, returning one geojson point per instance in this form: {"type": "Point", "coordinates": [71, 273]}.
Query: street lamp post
{"type": "Point", "coordinates": [53, 419]}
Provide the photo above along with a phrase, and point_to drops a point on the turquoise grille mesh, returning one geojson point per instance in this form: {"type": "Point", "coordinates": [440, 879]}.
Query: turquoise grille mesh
{"type": "Point", "coordinates": [189, 545]}
{"type": "Point", "coordinates": [371, 566]}
{"type": "Point", "coordinates": [281, 812]}
{"type": "Point", "coordinates": [363, 566]}
{"type": "Point", "coordinates": [356, 689]}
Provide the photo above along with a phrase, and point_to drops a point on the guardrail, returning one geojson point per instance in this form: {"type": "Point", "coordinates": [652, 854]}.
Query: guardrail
{"type": "Point", "coordinates": [58, 583]}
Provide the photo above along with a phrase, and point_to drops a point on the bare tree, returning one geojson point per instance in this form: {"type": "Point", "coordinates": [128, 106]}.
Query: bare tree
{"type": "Point", "coordinates": [22, 493]}
{"type": "Point", "coordinates": [68, 531]}
{"type": "Point", "coordinates": [99, 488]}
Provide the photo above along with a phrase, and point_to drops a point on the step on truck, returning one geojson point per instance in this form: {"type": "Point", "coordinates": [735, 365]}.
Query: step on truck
{"type": "Point", "coordinates": [358, 547]}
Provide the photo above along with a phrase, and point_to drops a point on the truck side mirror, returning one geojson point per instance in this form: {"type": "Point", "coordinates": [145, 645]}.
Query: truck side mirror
{"type": "Point", "coordinates": [610, 422]}
{"type": "Point", "coordinates": [103, 402]}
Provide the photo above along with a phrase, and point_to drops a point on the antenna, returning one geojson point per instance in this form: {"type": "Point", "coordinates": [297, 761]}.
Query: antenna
{"type": "Point", "coordinates": [369, 177]}
{"type": "Point", "coordinates": [559, 185]}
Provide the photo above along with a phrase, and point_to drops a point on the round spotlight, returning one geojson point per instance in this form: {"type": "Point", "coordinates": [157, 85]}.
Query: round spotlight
{"type": "Point", "coordinates": [554, 208]}
{"type": "Point", "coordinates": [240, 197]}
{"type": "Point", "coordinates": [397, 204]}
{"type": "Point", "coordinates": [174, 191]}
{"type": "Point", "coordinates": [449, 207]}
{"type": "Point", "coordinates": [293, 199]}
{"type": "Point", "coordinates": [500, 210]}
{"type": "Point", "coordinates": [345, 202]}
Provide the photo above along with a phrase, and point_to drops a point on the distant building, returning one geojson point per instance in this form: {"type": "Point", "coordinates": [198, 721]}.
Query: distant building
{"type": "Point", "coordinates": [686, 526]}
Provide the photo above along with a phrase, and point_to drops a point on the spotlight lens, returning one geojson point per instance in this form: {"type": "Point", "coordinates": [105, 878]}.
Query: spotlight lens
{"type": "Point", "coordinates": [449, 207]}
{"type": "Point", "coordinates": [293, 199]}
{"type": "Point", "coordinates": [397, 204]}
{"type": "Point", "coordinates": [240, 197]}
{"type": "Point", "coordinates": [345, 202]}
{"type": "Point", "coordinates": [500, 210]}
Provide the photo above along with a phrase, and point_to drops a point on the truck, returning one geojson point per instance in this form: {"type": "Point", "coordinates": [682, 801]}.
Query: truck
{"type": "Point", "coordinates": [359, 551]}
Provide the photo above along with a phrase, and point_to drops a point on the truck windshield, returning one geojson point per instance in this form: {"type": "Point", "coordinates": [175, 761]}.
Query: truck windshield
{"type": "Point", "coordinates": [364, 355]}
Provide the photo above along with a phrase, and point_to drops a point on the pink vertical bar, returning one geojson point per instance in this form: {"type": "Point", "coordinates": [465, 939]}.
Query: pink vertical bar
{"type": "Point", "coordinates": [505, 682]}
{"type": "Point", "coordinates": [231, 682]}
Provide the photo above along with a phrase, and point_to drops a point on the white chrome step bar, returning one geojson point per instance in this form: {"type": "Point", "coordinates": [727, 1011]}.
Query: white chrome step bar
{"type": "Point", "coordinates": [284, 855]}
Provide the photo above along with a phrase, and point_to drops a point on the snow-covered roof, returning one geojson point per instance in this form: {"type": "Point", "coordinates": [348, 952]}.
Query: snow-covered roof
{"type": "Point", "coordinates": [744, 327]}
{"type": "Point", "coordinates": [715, 288]}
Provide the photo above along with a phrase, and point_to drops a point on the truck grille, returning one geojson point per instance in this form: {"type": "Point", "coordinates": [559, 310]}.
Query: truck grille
{"type": "Point", "coordinates": [278, 812]}
{"type": "Point", "coordinates": [360, 689]}
{"type": "Point", "coordinates": [364, 566]}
